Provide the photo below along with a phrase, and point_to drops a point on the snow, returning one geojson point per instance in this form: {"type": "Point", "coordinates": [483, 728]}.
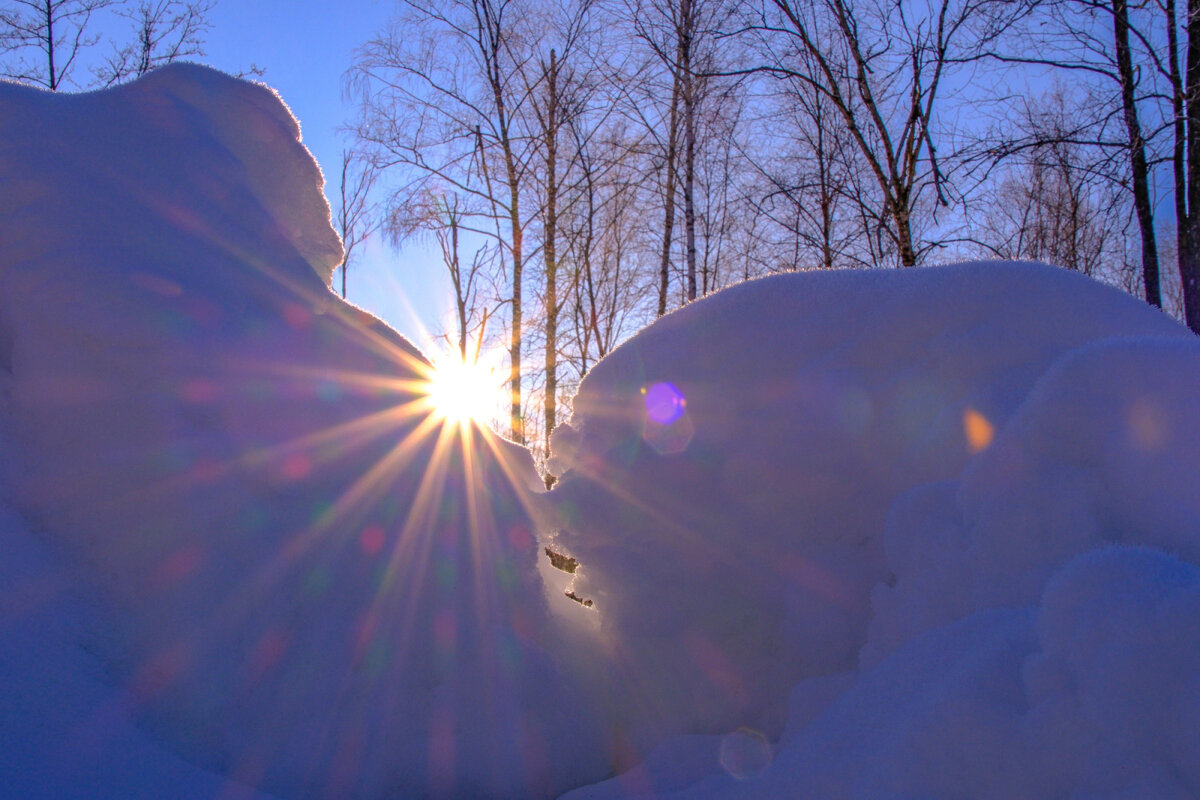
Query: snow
{"type": "Point", "coordinates": [66, 733]}
{"type": "Point", "coordinates": [732, 567]}
{"type": "Point", "coordinates": [924, 533]}
{"type": "Point", "coordinates": [299, 580]}
{"type": "Point", "coordinates": [1032, 630]}
{"type": "Point", "coordinates": [1093, 692]}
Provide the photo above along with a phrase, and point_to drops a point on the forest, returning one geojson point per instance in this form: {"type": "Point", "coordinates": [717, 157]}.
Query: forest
{"type": "Point", "coordinates": [588, 166]}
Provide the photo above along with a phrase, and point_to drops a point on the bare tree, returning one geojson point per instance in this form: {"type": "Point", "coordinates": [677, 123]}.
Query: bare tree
{"type": "Point", "coordinates": [670, 181]}
{"type": "Point", "coordinates": [561, 122]}
{"type": "Point", "coordinates": [163, 31]}
{"type": "Point", "coordinates": [804, 162]}
{"type": "Point", "coordinates": [610, 247]}
{"type": "Point", "coordinates": [548, 107]}
{"type": "Point", "coordinates": [882, 68]}
{"type": "Point", "coordinates": [1138, 168]}
{"type": "Point", "coordinates": [1054, 207]}
{"type": "Point", "coordinates": [680, 33]}
{"type": "Point", "coordinates": [353, 215]}
{"type": "Point", "coordinates": [47, 37]}
{"type": "Point", "coordinates": [1185, 152]}
{"type": "Point", "coordinates": [450, 221]}
{"type": "Point", "coordinates": [456, 224]}
{"type": "Point", "coordinates": [45, 40]}
{"type": "Point", "coordinates": [641, 99]}
{"type": "Point", "coordinates": [440, 93]}
{"type": "Point", "coordinates": [1100, 45]}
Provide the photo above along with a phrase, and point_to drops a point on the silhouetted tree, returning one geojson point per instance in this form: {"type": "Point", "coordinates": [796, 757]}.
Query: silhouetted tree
{"type": "Point", "coordinates": [163, 31]}
{"type": "Point", "coordinates": [44, 39]}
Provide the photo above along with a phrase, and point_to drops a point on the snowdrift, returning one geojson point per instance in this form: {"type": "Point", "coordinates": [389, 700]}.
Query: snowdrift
{"type": "Point", "coordinates": [727, 474]}
{"type": "Point", "coordinates": [1032, 627]}
{"type": "Point", "coordinates": [927, 533]}
{"type": "Point", "coordinates": [300, 578]}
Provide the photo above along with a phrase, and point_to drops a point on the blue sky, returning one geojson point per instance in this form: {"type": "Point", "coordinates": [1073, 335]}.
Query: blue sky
{"type": "Point", "coordinates": [305, 46]}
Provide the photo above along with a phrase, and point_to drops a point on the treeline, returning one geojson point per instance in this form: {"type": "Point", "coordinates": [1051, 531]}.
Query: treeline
{"type": "Point", "coordinates": [588, 165]}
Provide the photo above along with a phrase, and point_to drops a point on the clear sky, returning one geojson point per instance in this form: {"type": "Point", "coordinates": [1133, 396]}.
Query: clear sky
{"type": "Point", "coordinates": [305, 47]}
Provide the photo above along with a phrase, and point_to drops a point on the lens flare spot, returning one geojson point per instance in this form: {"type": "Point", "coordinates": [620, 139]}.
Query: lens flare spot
{"type": "Point", "coordinates": [978, 430]}
{"type": "Point", "coordinates": [178, 566]}
{"type": "Point", "coordinates": [371, 540]}
{"type": "Point", "coordinates": [296, 315]}
{"type": "Point", "coordinates": [519, 537]}
{"type": "Point", "coordinates": [200, 391]}
{"type": "Point", "coordinates": [206, 469]}
{"type": "Point", "coordinates": [1147, 426]}
{"type": "Point", "coordinates": [667, 426]}
{"type": "Point", "coordinates": [267, 653]}
{"type": "Point", "coordinates": [664, 403]}
{"type": "Point", "coordinates": [297, 466]}
{"type": "Point", "coordinates": [745, 753]}
{"type": "Point", "coordinates": [159, 672]}
{"type": "Point", "coordinates": [669, 440]}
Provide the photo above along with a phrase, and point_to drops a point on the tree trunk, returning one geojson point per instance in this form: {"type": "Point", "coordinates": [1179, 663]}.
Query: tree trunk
{"type": "Point", "coordinates": [516, 418]}
{"type": "Point", "coordinates": [1179, 127]}
{"type": "Point", "coordinates": [1189, 239]}
{"type": "Point", "coordinates": [50, 45]}
{"type": "Point", "coordinates": [343, 217]}
{"type": "Point", "coordinates": [902, 214]}
{"type": "Point", "coordinates": [460, 294]}
{"type": "Point", "coordinates": [822, 157]}
{"type": "Point", "coordinates": [689, 136]}
{"type": "Point", "coordinates": [664, 268]}
{"type": "Point", "coordinates": [513, 179]}
{"type": "Point", "coordinates": [549, 250]}
{"type": "Point", "coordinates": [1137, 154]}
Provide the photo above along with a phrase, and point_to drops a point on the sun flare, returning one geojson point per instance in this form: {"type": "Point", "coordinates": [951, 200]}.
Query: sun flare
{"type": "Point", "coordinates": [464, 391]}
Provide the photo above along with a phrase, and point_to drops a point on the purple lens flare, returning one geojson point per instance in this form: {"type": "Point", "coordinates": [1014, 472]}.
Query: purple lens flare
{"type": "Point", "coordinates": [664, 403]}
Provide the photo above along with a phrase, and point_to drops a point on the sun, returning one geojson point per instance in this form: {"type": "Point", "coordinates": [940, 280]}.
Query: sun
{"type": "Point", "coordinates": [463, 391]}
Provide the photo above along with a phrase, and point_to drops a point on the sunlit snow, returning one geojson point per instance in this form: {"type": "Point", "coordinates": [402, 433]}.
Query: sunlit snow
{"type": "Point", "coordinates": [926, 533]}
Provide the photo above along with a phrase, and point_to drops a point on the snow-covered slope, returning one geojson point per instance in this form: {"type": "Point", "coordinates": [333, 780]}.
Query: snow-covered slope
{"type": "Point", "coordinates": [932, 497]}
{"type": "Point", "coordinates": [752, 444]}
{"type": "Point", "coordinates": [301, 578]}
{"type": "Point", "coordinates": [926, 533]}
{"type": "Point", "coordinates": [65, 733]}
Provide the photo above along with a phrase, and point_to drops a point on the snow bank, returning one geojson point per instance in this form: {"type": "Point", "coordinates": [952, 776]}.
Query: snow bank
{"type": "Point", "coordinates": [302, 581]}
{"type": "Point", "coordinates": [925, 533]}
{"type": "Point", "coordinates": [1093, 693]}
{"type": "Point", "coordinates": [1106, 449]}
{"type": "Point", "coordinates": [727, 473]}
{"type": "Point", "coordinates": [64, 732]}
{"type": "Point", "coordinates": [1033, 629]}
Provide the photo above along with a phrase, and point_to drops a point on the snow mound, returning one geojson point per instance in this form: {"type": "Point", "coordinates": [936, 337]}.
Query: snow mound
{"type": "Point", "coordinates": [1034, 627]}
{"type": "Point", "coordinates": [727, 473]}
{"type": "Point", "coordinates": [217, 157]}
{"type": "Point", "coordinates": [1106, 449]}
{"type": "Point", "coordinates": [64, 733]}
{"type": "Point", "coordinates": [1092, 692]}
{"type": "Point", "coordinates": [301, 580]}
{"type": "Point", "coordinates": [927, 533]}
